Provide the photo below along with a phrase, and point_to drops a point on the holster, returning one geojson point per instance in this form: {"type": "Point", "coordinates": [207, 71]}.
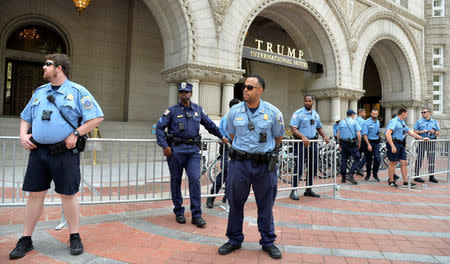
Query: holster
{"type": "Point", "coordinates": [81, 143]}
{"type": "Point", "coordinates": [58, 148]}
{"type": "Point", "coordinates": [169, 138]}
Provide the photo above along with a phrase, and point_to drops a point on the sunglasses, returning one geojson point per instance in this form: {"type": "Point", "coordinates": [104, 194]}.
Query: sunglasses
{"type": "Point", "coordinates": [48, 63]}
{"type": "Point", "coordinates": [183, 92]}
{"type": "Point", "coordinates": [250, 87]}
{"type": "Point", "coordinates": [424, 112]}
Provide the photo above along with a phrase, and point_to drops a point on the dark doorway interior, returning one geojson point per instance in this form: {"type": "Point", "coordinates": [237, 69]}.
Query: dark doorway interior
{"type": "Point", "coordinates": [372, 86]}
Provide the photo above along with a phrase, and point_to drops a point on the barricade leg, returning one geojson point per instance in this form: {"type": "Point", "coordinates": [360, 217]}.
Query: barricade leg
{"type": "Point", "coordinates": [63, 221]}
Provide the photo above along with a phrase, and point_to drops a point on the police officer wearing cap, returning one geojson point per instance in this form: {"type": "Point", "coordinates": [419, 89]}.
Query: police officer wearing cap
{"type": "Point", "coordinates": [429, 128]}
{"type": "Point", "coordinates": [349, 137]}
{"type": "Point", "coordinates": [371, 139]}
{"type": "Point", "coordinates": [395, 133]}
{"type": "Point", "coordinates": [181, 145]}
{"type": "Point", "coordinates": [256, 128]}
{"type": "Point", "coordinates": [46, 132]}
{"type": "Point", "coordinates": [305, 124]}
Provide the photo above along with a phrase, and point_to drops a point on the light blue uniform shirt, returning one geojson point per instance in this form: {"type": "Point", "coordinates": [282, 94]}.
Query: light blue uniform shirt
{"type": "Point", "coordinates": [74, 101]}
{"type": "Point", "coordinates": [424, 124]}
{"type": "Point", "coordinates": [348, 128]}
{"type": "Point", "coordinates": [223, 126]}
{"type": "Point", "coordinates": [371, 129]}
{"type": "Point", "coordinates": [267, 119]}
{"type": "Point", "coordinates": [360, 120]}
{"type": "Point", "coordinates": [335, 129]}
{"type": "Point", "coordinates": [398, 127]}
{"type": "Point", "coordinates": [301, 119]}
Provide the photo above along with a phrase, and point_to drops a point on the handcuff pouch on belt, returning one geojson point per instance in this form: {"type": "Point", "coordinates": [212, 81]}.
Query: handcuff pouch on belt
{"type": "Point", "coordinates": [270, 158]}
{"type": "Point", "coordinates": [188, 141]}
{"type": "Point", "coordinates": [351, 142]}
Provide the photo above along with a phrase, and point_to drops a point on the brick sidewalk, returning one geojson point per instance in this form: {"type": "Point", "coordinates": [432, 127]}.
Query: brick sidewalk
{"type": "Point", "coordinates": [368, 223]}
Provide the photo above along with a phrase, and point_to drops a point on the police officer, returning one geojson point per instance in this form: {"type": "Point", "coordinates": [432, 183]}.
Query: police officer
{"type": "Point", "coordinates": [396, 131]}
{"type": "Point", "coordinates": [426, 127]}
{"type": "Point", "coordinates": [349, 137]}
{"type": "Point", "coordinates": [370, 132]}
{"type": "Point", "coordinates": [363, 149]}
{"type": "Point", "coordinates": [52, 144]}
{"type": "Point", "coordinates": [337, 119]}
{"type": "Point", "coordinates": [181, 146]}
{"type": "Point", "coordinates": [305, 124]}
{"type": "Point", "coordinates": [218, 182]}
{"type": "Point", "coordinates": [256, 127]}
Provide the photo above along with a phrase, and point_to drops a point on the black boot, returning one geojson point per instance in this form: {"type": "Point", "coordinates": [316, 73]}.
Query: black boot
{"type": "Point", "coordinates": [432, 179]}
{"type": "Point", "coordinates": [343, 180]}
{"type": "Point", "coordinates": [418, 180]}
{"type": "Point", "coordinates": [294, 195]}
{"type": "Point", "coordinates": [24, 245]}
{"type": "Point", "coordinates": [210, 202]}
{"type": "Point", "coordinates": [376, 178]}
{"type": "Point", "coordinates": [352, 180]}
{"type": "Point", "coordinates": [309, 192]}
{"type": "Point", "coordinates": [367, 177]}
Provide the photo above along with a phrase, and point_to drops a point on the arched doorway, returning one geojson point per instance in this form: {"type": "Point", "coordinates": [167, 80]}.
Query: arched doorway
{"type": "Point", "coordinates": [372, 87]}
{"type": "Point", "coordinates": [25, 48]}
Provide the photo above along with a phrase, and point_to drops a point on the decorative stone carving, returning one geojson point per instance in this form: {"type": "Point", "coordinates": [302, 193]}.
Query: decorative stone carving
{"type": "Point", "coordinates": [400, 11]}
{"type": "Point", "coordinates": [358, 8]}
{"type": "Point", "coordinates": [404, 103]}
{"type": "Point", "coordinates": [202, 72]}
{"type": "Point", "coordinates": [219, 9]}
{"type": "Point", "coordinates": [343, 93]}
{"type": "Point", "coordinates": [191, 27]}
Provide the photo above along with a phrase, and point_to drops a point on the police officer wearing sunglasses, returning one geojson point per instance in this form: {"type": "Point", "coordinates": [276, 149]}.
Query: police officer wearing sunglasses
{"type": "Point", "coordinates": [181, 145]}
{"type": "Point", "coordinates": [256, 128]}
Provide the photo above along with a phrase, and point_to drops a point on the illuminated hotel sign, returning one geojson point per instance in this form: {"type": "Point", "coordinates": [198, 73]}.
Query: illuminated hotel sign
{"type": "Point", "coordinates": [280, 55]}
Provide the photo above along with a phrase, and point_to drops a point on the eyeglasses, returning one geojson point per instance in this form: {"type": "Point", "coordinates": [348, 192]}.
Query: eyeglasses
{"type": "Point", "coordinates": [49, 63]}
{"type": "Point", "coordinates": [424, 112]}
{"type": "Point", "coordinates": [183, 92]}
{"type": "Point", "coordinates": [249, 87]}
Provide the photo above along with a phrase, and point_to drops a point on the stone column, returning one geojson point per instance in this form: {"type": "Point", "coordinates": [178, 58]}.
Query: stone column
{"type": "Point", "coordinates": [209, 98]}
{"type": "Point", "coordinates": [387, 114]}
{"type": "Point", "coordinates": [335, 107]}
{"type": "Point", "coordinates": [411, 116]}
{"type": "Point", "coordinates": [227, 95]}
{"type": "Point", "coordinates": [173, 93]}
{"type": "Point", "coordinates": [195, 90]}
{"type": "Point", "coordinates": [354, 105]}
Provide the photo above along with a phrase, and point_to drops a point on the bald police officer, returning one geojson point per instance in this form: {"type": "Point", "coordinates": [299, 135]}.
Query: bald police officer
{"type": "Point", "coordinates": [181, 146]}
{"type": "Point", "coordinates": [429, 128]}
{"type": "Point", "coordinates": [349, 137]}
{"type": "Point", "coordinates": [256, 127]}
{"type": "Point", "coordinates": [395, 133]}
{"type": "Point", "coordinates": [52, 145]}
{"type": "Point", "coordinates": [305, 125]}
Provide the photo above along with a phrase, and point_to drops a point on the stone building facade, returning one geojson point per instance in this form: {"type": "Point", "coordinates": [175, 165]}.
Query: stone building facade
{"type": "Point", "coordinates": [131, 54]}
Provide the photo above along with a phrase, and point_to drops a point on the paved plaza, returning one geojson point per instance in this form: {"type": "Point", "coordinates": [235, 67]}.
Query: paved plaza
{"type": "Point", "coordinates": [367, 223]}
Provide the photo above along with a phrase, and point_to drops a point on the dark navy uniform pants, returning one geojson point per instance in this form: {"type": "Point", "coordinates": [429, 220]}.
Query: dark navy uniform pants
{"type": "Point", "coordinates": [374, 156]}
{"type": "Point", "coordinates": [348, 150]}
{"type": "Point", "coordinates": [191, 162]}
{"type": "Point", "coordinates": [362, 150]}
{"type": "Point", "coordinates": [242, 175]}
{"type": "Point", "coordinates": [430, 148]}
{"type": "Point", "coordinates": [305, 155]}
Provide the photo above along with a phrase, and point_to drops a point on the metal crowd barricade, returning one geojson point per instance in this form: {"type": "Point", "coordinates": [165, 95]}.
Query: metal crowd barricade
{"type": "Point", "coordinates": [134, 170]}
{"type": "Point", "coordinates": [429, 159]}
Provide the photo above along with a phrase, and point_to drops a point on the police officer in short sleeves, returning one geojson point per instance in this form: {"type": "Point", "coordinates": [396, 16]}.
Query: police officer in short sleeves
{"type": "Point", "coordinates": [395, 133]}
{"type": "Point", "coordinates": [181, 146]}
{"type": "Point", "coordinates": [429, 128]}
{"type": "Point", "coordinates": [49, 130]}
{"type": "Point", "coordinates": [305, 124]}
{"type": "Point", "coordinates": [349, 137]}
{"type": "Point", "coordinates": [371, 137]}
{"type": "Point", "coordinates": [256, 128]}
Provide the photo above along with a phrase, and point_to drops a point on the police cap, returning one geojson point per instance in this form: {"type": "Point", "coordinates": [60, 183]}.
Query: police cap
{"type": "Point", "coordinates": [185, 86]}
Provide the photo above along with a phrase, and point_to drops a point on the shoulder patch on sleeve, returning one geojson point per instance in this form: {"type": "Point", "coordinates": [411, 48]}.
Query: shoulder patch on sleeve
{"type": "Point", "coordinates": [167, 112]}
{"type": "Point", "coordinates": [87, 102]}
{"type": "Point", "coordinates": [280, 118]}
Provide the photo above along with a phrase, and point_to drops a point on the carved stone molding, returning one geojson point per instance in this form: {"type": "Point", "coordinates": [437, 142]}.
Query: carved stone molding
{"type": "Point", "coordinates": [313, 12]}
{"type": "Point", "coordinates": [203, 73]}
{"type": "Point", "coordinates": [406, 104]}
{"type": "Point", "coordinates": [343, 93]}
{"type": "Point", "coordinates": [219, 9]}
{"type": "Point", "coordinates": [191, 26]}
{"type": "Point", "coordinates": [400, 11]}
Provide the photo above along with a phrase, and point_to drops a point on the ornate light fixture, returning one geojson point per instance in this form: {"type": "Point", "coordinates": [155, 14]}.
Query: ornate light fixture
{"type": "Point", "coordinates": [29, 33]}
{"type": "Point", "coordinates": [81, 5]}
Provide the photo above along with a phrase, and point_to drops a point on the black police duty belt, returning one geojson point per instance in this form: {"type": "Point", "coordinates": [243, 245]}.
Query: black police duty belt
{"type": "Point", "coordinates": [256, 157]}
{"type": "Point", "coordinates": [400, 142]}
{"type": "Point", "coordinates": [349, 141]}
{"type": "Point", "coordinates": [188, 141]}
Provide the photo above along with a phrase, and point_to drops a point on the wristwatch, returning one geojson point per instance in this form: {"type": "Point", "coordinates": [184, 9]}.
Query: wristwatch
{"type": "Point", "coordinates": [76, 133]}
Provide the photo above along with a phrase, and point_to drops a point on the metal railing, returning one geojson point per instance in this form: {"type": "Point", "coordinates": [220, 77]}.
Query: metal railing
{"type": "Point", "coordinates": [429, 159]}
{"type": "Point", "coordinates": [131, 170]}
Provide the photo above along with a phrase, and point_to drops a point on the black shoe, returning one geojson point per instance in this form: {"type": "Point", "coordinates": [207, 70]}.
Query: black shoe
{"type": "Point", "coordinates": [432, 179]}
{"type": "Point", "coordinates": [360, 172]}
{"type": "Point", "coordinates": [412, 184]}
{"type": "Point", "coordinates": [367, 178]}
{"type": "Point", "coordinates": [396, 177]}
{"type": "Point", "coordinates": [227, 248]}
{"type": "Point", "coordinates": [224, 199]}
{"type": "Point", "coordinates": [392, 184]}
{"type": "Point", "coordinates": [273, 251]}
{"type": "Point", "coordinates": [294, 195]}
{"type": "Point", "coordinates": [310, 192]}
{"type": "Point", "coordinates": [376, 178]}
{"type": "Point", "coordinates": [180, 219]}
{"type": "Point", "coordinates": [210, 202]}
{"type": "Point", "coordinates": [343, 180]}
{"type": "Point", "coordinates": [198, 221]}
{"type": "Point", "coordinates": [418, 180]}
{"type": "Point", "coordinates": [22, 247]}
{"type": "Point", "coordinates": [76, 247]}
{"type": "Point", "coordinates": [352, 180]}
